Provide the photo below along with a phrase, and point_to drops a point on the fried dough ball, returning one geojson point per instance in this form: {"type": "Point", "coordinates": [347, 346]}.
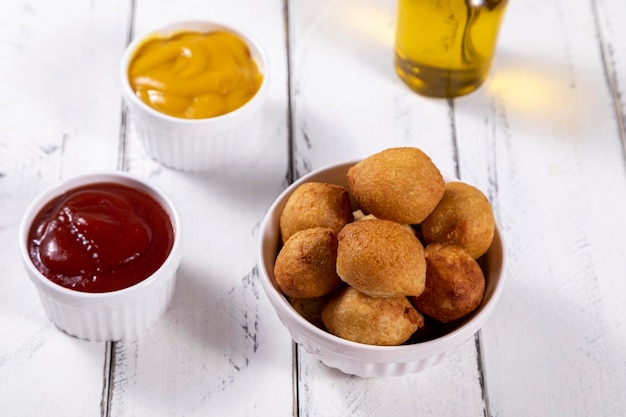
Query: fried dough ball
{"type": "Point", "coordinates": [360, 318]}
{"type": "Point", "coordinates": [455, 284]}
{"type": "Point", "coordinates": [305, 266]}
{"type": "Point", "coordinates": [311, 308]}
{"type": "Point", "coordinates": [315, 204]}
{"type": "Point", "coordinates": [381, 258]}
{"type": "Point", "coordinates": [399, 184]}
{"type": "Point", "coordinates": [463, 217]}
{"type": "Point", "coordinates": [359, 215]}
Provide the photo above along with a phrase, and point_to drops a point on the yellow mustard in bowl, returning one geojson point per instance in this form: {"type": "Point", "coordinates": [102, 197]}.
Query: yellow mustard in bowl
{"type": "Point", "coordinates": [194, 75]}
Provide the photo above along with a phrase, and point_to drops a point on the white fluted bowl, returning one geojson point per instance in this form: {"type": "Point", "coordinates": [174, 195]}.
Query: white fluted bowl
{"type": "Point", "coordinates": [115, 315]}
{"type": "Point", "coordinates": [198, 145]}
{"type": "Point", "coordinates": [356, 358]}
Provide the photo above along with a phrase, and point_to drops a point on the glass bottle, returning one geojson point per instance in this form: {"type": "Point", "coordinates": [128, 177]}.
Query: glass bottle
{"type": "Point", "coordinates": [444, 48]}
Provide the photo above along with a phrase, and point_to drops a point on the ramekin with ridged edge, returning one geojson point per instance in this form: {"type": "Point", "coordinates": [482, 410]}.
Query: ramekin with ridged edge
{"type": "Point", "coordinates": [360, 359]}
{"type": "Point", "coordinates": [198, 145]}
{"type": "Point", "coordinates": [105, 316]}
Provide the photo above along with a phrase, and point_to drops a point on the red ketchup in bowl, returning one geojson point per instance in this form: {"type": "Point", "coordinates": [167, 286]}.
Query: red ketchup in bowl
{"type": "Point", "coordinates": [100, 237]}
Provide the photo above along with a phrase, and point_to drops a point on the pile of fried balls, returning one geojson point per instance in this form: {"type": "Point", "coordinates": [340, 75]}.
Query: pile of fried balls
{"type": "Point", "coordinates": [409, 250]}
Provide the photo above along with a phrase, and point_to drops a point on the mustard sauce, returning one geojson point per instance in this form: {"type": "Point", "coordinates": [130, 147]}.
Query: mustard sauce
{"type": "Point", "coordinates": [194, 75]}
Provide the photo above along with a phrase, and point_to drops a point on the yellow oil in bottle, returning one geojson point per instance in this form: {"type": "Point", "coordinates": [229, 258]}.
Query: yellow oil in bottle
{"type": "Point", "coordinates": [444, 48]}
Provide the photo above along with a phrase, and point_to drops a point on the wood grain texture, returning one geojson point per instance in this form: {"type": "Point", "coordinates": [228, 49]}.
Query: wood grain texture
{"type": "Point", "coordinates": [610, 34]}
{"type": "Point", "coordinates": [57, 121]}
{"type": "Point", "coordinates": [544, 139]}
{"type": "Point", "coordinates": [348, 103]}
{"type": "Point", "coordinates": [453, 386]}
{"type": "Point", "coordinates": [220, 349]}
{"type": "Point", "coordinates": [554, 169]}
{"type": "Point", "coordinates": [347, 100]}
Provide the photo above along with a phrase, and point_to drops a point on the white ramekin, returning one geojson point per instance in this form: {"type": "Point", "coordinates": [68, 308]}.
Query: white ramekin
{"type": "Point", "coordinates": [114, 315]}
{"type": "Point", "coordinates": [198, 145]}
{"type": "Point", "coordinates": [356, 358]}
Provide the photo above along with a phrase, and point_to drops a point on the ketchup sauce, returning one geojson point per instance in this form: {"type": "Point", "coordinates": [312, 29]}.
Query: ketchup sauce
{"type": "Point", "coordinates": [100, 237]}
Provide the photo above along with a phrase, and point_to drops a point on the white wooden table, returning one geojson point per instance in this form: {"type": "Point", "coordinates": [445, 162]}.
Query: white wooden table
{"type": "Point", "coordinates": [544, 139]}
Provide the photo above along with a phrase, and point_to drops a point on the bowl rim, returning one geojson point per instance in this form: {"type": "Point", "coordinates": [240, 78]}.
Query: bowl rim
{"type": "Point", "coordinates": [372, 353]}
{"type": "Point", "coordinates": [46, 195]}
{"type": "Point", "coordinates": [256, 50]}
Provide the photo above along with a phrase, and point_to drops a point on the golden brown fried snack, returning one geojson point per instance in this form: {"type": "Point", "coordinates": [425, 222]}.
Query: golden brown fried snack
{"type": "Point", "coordinates": [463, 217]}
{"type": "Point", "coordinates": [381, 258]}
{"type": "Point", "coordinates": [360, 318]}
{"type": "Point", "coordinates": [315, 204]}
{"type": "Point", "coordinates": [455, 284]}
{"type": "Point", "coordinates": [359, 215]}
{"type": "Point", "coordinates": [305, 266]}
{"type": "Point", "coordinates": [399, 184]}
{"type": "Point", "coordinates": [311, 308]}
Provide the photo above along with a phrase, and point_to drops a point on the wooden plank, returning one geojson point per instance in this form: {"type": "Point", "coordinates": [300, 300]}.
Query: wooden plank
{"type": "Point", "coordinates": [543, 139]}
{"type": "Point", "coordinates": [452, 387]}
{"type": "Point", "coordinates": [349, 103]}
{"type": "Point", "coordinates": [545, 145]}
{"type": "Point", "coordinates": [58, 119]}
{"type": "Point", "coordinates": [613, 55]}
{"type": "Point", "coordinates": [220, 349]}
{"type": "Point", "coordinates": [347, 100]}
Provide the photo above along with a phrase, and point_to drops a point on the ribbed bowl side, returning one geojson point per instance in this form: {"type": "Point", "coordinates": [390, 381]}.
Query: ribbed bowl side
{"type": "Point", "coordinates": [100, 325]}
